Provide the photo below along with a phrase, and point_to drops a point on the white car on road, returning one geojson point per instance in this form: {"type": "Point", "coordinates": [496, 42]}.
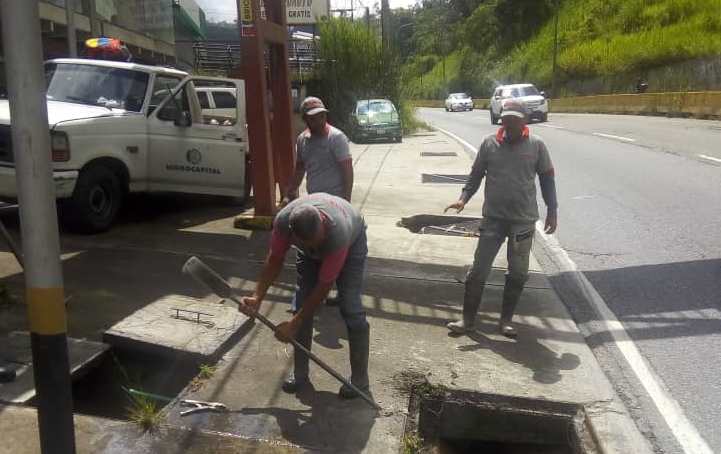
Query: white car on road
{"type": "Point", "coordinates": [528, 94]}
{"type": "Point", "coordinates": [459, 101]}
{"type": "Point", "coordinates": [122, 127]}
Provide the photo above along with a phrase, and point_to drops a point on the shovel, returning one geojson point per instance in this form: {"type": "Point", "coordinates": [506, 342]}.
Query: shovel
{"type": "Point", "coordinates": [212, 280]}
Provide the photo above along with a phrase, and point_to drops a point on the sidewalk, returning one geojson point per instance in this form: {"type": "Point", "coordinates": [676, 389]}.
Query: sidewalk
{"type": "Point", "coordinates": [412, 290]}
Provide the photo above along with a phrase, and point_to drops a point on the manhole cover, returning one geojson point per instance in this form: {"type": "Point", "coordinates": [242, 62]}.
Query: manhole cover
{"type": "Point", "coordinates": [443, 178]}
{"type": "Point", "coordinates": [438, 153]}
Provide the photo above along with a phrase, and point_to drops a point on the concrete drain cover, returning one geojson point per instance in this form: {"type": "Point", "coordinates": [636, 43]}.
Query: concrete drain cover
{"type": "Point", "coordinates": [443, 178]}
{"type": "Point", "coordinates": [177, 325]}
{"type": "Point", "coordinates": [438, 153]}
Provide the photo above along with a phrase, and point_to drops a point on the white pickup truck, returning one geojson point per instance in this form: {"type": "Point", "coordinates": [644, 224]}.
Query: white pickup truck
{"type": "Point", "coordinates": [122, 127]}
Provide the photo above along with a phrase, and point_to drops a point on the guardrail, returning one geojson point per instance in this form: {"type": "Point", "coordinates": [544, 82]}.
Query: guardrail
{"type": "Point", "coordinates": [699, 104]}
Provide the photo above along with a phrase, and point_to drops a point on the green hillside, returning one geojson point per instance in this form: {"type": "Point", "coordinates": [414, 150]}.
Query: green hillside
{"type": "Point", "coordinates": [596, 38]}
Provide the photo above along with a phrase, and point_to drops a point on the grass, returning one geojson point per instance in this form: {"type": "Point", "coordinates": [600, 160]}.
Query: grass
{"type": "Point", "coordinates": [144, 412]}
{"type": "Point", "coordinates": [605, 37]}
{"type": "Point", "coordinates": [205, 373]}
{"type": "Point", "coordinates": [597, 38]}
{"type": "Point", "coordinates": [411, 444]}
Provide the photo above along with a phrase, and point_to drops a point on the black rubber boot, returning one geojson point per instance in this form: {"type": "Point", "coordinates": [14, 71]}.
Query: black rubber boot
{"type": "Point", "coordinates": [471, 302]}
{"type": "Point", "coordinates": [299, 377]}
{"type": "Point", "coordinates": [511, 295]}
{"type": "Point", "coordinates": [291, 385]}
{"type": "Point", "coordinates": [359, 346]}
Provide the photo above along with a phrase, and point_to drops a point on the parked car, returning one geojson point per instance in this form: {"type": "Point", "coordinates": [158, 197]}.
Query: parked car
{"type": "Point", "coordinates": [118, 128]}
{"type": "Point", "coordinates": [528, 94]}
{"type": "Point", "coordinates": [374, 119]}
{"type": "Point", "coordinates": [459, 101]}
{"type": "Point", "coordinates": [218, 102]}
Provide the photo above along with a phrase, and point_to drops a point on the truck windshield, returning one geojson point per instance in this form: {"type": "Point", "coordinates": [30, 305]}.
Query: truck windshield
{"type": "Point", "coordinates": [115, 88]}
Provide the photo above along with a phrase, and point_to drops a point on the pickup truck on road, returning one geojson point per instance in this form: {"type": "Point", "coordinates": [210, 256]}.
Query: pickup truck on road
{"type": "Point", "coordinates": [121, 127]}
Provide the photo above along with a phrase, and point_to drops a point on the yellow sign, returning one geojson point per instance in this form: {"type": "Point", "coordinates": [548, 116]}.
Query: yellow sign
{"type": "Point", "coordinates": [246, 11]}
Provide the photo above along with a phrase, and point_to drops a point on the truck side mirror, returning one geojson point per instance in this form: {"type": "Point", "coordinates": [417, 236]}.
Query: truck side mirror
{"type": "Point", "coordinates": [183, 119]}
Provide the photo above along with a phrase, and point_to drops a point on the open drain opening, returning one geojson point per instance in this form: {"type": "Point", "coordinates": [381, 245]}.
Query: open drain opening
{"type": "Point", "coordinates": [124, 381]}
{"type": "Point", "coordinates": [431, 224]}
{"type": "Point", "coordinates": [460, 422]}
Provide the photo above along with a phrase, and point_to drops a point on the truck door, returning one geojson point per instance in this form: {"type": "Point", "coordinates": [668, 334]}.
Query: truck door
{"type": "Point", "coordinates": [195, 150]}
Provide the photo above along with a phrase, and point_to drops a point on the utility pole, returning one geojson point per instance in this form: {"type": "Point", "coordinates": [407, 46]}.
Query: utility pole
{"type": "Point", "coordinates": [38, 224]}
{"type": "Point", "coordinates": [555, 52]}
{"type": "Point", "coordinates": [70, 21]}
{"type": "Point", "coordinates": [368, 18]}
{"type": "Point", "coordinates": [385, 28]}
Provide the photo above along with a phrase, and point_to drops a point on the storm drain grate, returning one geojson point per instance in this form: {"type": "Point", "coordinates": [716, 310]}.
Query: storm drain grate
{"type": "Point", "coordinates": [443, 178]}
{"type": "Point", "coordinates": [438, 153]}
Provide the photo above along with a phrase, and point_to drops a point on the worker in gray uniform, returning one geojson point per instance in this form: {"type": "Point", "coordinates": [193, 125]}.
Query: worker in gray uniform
{"type": "Point", "coordinates": [323, 157]}
{"type": "Point", "coordinates": [510, 159]}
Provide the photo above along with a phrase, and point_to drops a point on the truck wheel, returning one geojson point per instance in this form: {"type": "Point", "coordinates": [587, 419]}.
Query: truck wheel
{"type": "Point", "coordinates": [95, 202]}
{"type": "Point", "coordinates": [493, 119]}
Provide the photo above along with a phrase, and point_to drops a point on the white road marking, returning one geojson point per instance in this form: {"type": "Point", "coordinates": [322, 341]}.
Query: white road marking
{"type": "Point", "coordinates": [611, 136]}
{"type": "Point", "coordinates": [468, 146]}
{"type": "Point", "coordinates": [685, 432]}
{"type": "Point", "coordinates": [546, 125]}
{"type": "Point", "coordinates": [710, 158]}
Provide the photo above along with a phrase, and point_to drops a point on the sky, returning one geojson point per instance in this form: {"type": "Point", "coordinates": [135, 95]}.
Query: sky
{"type": "Point", "coordinates": [219, 10]}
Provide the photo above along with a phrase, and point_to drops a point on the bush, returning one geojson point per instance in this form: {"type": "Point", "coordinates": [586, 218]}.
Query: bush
{"type": "Point", "coordinates": [355, 66]}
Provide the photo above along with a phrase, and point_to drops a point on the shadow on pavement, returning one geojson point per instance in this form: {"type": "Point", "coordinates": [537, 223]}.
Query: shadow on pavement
{"type": "Point", "coordinates": [342, 425]}
{"type": "Point", "coordinates": [526, 351]}
{"type": "Point", "coordinates": [674, 300]}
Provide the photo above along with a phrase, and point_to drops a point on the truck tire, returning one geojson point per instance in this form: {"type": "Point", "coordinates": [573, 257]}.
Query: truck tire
{"type": "Point", "coordinates": [95, 202]}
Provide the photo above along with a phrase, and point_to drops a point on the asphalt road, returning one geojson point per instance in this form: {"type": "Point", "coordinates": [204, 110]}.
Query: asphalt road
{"type": "Point", "coordinates": [640, 215]}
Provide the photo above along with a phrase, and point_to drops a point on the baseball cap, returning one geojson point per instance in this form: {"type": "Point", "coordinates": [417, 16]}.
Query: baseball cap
{"type": "Point", "coordinates": [513, 108]}
{"type": "Point", "coordinates": [312, 106]}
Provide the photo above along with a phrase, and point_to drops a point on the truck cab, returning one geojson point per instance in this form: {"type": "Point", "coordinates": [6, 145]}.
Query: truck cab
{"type": "Point", "coordinates": [121, 127]}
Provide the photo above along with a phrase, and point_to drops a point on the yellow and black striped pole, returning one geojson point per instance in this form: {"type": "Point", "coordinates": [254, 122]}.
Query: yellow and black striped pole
{"type": "Point", "coordinates": [39, 224]}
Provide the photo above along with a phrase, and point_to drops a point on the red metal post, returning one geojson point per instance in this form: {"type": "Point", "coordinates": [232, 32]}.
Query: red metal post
{"type": "Point", "coordinates": [272, 155]}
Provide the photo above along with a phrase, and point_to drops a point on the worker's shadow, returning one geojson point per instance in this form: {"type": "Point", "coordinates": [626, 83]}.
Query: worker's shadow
{"type": "Point", "coordinates": [329, 327]}
{"type": "Point", "coordinates": [329, 424]}
{"type": "Point", "coordinates": [528, 352]}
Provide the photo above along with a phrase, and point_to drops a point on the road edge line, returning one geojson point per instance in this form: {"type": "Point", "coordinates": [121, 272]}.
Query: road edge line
{"type": "Point", "coordinates": [467, 147]}
{"type": "Point", "coordinates": [683, 430]}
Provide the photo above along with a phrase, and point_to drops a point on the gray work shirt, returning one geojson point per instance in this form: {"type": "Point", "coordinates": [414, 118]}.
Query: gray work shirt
{"type": "Point", "coordinates": [344, 225]}
{"type": "Point", "coordinates": [510, 170]}
{"type": "Point", "coordinates": [321, 157]}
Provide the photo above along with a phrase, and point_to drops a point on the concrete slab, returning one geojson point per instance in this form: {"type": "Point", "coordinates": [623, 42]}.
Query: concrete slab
{"type": "Point", "coordinates": [15, 350]}
{"type": "Point", "coordinates": [179, 326]}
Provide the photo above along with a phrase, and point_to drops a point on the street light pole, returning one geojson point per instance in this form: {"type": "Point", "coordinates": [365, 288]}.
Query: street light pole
{"type": "Point", "coordinates": [38, 224]}
{"type": "Point", "coordinates": [555, 52]}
